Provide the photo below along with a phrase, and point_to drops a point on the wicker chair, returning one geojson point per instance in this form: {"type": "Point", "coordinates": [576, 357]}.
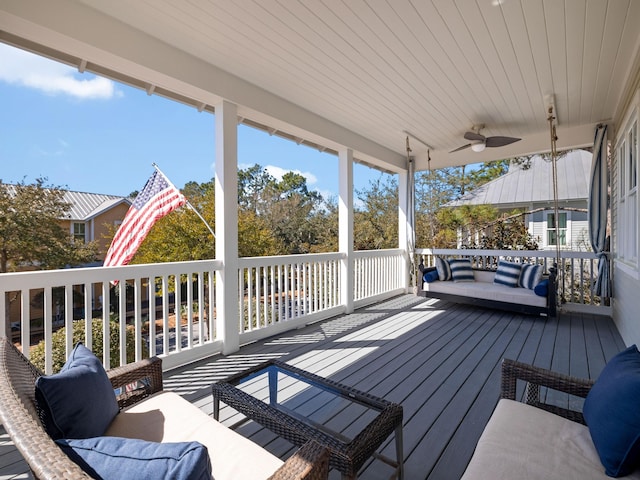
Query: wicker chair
{"type": "Point", "coordinates": [522, 440]}
{"type": "Point", "coordinates": [536, 378]}
{"type": "Point", "coordinates": [20, 419]}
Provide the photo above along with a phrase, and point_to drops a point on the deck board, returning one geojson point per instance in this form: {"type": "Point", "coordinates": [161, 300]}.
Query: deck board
{"type": "Point", "coordinates": [440, 360]}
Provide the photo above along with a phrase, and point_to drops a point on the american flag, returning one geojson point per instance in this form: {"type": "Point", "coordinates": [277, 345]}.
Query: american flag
{"type": "Point", "coordinates": [158, 198]}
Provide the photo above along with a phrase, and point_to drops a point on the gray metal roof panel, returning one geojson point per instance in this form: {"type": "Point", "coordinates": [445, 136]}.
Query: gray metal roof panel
{"type": "Point", "coordinates": [533, 185]}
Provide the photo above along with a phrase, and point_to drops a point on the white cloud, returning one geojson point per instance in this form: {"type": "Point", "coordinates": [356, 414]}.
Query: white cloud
{"type": "Point", "coordinates": [18, 67]}
{"type": "Point", "coordinates": [278, 173]}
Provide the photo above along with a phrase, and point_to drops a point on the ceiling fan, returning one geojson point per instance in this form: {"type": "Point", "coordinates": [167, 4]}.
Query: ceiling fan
{"type": "Point", "coordinates": [479, 142]}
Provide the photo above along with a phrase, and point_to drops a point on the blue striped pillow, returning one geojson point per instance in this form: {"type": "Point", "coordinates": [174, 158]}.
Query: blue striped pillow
{"type": "Point", "coordinates": [461, 270]}
{"type": "Point", "coordinates": [530, 276]}
{"type": "Point", "coordinates": [444, 271]}
{"type": "Point", "coordinates": [508, 273]}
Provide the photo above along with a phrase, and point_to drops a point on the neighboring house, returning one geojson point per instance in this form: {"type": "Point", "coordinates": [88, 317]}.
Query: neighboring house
{"type": "Point", "coordinates": [531, 190]}
{"type": "Point", "coordinates": [92, 215]}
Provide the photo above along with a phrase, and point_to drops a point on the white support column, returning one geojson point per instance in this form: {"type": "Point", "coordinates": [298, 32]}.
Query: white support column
{"type": "Point", "coordinates": [227, 318]}
{"type": "Point", "coordinates": [345, 213]}
{"type": "Point", "coordinates": [405, 220]}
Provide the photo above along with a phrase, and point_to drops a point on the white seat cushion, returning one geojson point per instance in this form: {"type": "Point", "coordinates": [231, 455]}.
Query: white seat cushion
{"type": "Point", "coordinates": [488, 291]}
{"type": "Point", "coordinates": [167, 417]}
{"type": "Point", "coordinates": [527, 443]}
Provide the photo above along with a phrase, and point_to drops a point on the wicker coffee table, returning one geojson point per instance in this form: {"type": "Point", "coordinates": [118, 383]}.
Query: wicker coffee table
{"type": "Point", "coordinates": [300, 406]}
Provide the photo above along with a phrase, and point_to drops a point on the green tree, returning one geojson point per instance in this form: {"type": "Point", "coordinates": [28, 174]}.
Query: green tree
{"type": "Point", "coordinates": [287, 209]}
{"type": "Point", "coordinates": [438, 226]}
{"type": "Point", "coordinates": [58, 342]}
{"type": "Point", "coordinates": [376, 221]}
{"type": "Point", "coordinates": [31, 234]}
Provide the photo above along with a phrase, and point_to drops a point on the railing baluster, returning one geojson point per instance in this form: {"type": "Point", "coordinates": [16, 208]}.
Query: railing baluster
{"type": "Point", "coordinates": [48, 328]}
{"type": "Point", "coordinates": [122, 320]}
{"type": "Point", "coordinates": [25, 322]}
{"type": "Point", "coordinates": [106, 337]}
{"type": "Point", "coordinates": [151, 317]}
{"type": "Point", "coordinates": [88, 315]}
{"type": "Point", "coordinates": [137, 317]}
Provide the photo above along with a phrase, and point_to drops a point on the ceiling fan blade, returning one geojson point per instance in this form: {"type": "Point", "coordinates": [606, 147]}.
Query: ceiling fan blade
{"type": "Point", "coordinates": [474, 137]}
{"type": "Point", "coordinates": [501, 141]}
{"type": "Point", "coordinates": [460, 148]}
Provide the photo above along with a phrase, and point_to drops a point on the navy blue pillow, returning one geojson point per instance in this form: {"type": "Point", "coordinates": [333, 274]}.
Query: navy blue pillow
{"type": "Point", "coordinates": [430, 276]}
{"type": "Point", "coordinates": [78, 402]}
{"type": "Point", "coordinates": [542, 288]}
{"type": "Point", "coordinates": [612, 414]}
{"type": "Point", "coordinates": [128, 458]}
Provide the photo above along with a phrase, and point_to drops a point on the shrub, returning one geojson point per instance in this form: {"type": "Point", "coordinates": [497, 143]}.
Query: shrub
{"type": "Point", "coordinates": [58, 343]}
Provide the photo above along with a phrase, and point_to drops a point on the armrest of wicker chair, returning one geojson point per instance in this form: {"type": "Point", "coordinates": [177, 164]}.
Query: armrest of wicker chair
{"type": "Point", "coordinates": [136, 381]}
{"type": "Point", "coordinates": [535, 378]}
{"type": "Point", "coordinates": [310, 462]}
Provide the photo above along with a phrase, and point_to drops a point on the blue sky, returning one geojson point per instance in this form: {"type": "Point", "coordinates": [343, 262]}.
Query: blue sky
{"type": "Point", "coordinates": [90, 134]}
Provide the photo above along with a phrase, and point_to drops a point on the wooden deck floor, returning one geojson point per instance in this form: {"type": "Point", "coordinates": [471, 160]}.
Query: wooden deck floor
{"type": "Point", "coordinates": [441, 361]}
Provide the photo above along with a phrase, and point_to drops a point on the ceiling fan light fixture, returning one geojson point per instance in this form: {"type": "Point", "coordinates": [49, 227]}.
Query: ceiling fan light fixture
{"type": "Point", "coordinates": [478, 147]}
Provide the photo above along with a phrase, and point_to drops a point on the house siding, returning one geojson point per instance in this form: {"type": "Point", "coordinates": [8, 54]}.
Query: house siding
{"type": "Point", "coordinates": [626, 305]}
{"type": "Point", "coordinates": [104, 226]}
{"type": "Point", "coordinates": [626, 278]}
{"type": "Point", "coordinates": [580, 232]}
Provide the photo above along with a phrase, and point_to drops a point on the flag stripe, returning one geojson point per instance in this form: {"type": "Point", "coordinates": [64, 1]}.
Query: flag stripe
{"type": "Point", "coordinates": [157, 199]}
{"type": "Point", "coordinates": [137, 223]}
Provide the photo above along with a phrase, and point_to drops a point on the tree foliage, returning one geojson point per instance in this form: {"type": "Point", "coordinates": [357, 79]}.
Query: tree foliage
{"type": "Point", "coordinates": [376, 220]}
{"type": "Point", "coordinates": [438, 225]}
{"type": "Point", "coordinates": [284, 216]}
{"type": "Point", "coordinates": [58, 341]}
{"type": "Point", "coordinates": [31, 234]}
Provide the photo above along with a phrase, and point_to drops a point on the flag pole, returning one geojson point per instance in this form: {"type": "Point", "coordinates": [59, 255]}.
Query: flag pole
{"type": "Point", "coordinates": [188, 202]}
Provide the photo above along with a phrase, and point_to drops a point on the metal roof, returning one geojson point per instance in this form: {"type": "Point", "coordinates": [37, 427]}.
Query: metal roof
{"type": "Point", "coordinates": [85, 206]}
{"type": "Point", "coordinates": [534, 185]}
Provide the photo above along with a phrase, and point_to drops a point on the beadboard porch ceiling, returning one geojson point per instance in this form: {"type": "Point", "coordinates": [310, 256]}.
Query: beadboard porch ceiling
{"type": "Point", "coordinates": [364, 73]}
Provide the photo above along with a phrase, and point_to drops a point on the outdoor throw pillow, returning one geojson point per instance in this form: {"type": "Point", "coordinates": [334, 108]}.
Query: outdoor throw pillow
{"type": "Point", "coordinates": [461, 270]}
{"type": "Point", "coordinates": [508, 273]}
{"type": "Point", "coordinates": [430, 276]}
{"type": "Point", "coordinates": [530, 276]}
{"type": "Point", "coordinates": [78, 402]}
{"type": "Point", "coordinates": [542, 288]}
{"type": "Point", "coordinates": [444, 271]}
{"type": "Point", "coordinates": [133, 459]}
{"type": "Point", "coordinates": [612, 414]}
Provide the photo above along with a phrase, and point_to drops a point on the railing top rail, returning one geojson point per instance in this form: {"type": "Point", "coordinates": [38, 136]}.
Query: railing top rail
{"type": "Point", "coordinates": [244, 262]}
{"type": "Point", "coordinates": [471, 252]}
{"type": "Point", "coordinates": [378, 253]}
{"type": "Point", "coordinates": [75, 276]}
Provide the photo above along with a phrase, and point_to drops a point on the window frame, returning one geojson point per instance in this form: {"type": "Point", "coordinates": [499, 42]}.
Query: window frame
{"type": "Point", "coordinates": [627, 152]}
{"type": "Point", "coordinates": [548, 229]}
{"type": "Point", "coordinates": [77, 236]}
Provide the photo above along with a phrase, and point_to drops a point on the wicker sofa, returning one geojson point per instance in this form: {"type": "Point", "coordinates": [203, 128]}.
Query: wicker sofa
{"type": "Point", "coordinates": [20, 418]}
{"type": "Point", "coordinates": [537, 439]}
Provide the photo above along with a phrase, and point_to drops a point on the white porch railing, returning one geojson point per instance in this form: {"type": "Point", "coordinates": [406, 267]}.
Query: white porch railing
{"type": "Point", "coordinates": [156, 305]}
{"type": "Point", "coordinates": [169, 309]}
{"type": "Point", "coordinates": [280, 293]}
{"type": "Point", "coordinates": [578, 271]}
{"type": "Point", "coordinates": [378, 273]}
